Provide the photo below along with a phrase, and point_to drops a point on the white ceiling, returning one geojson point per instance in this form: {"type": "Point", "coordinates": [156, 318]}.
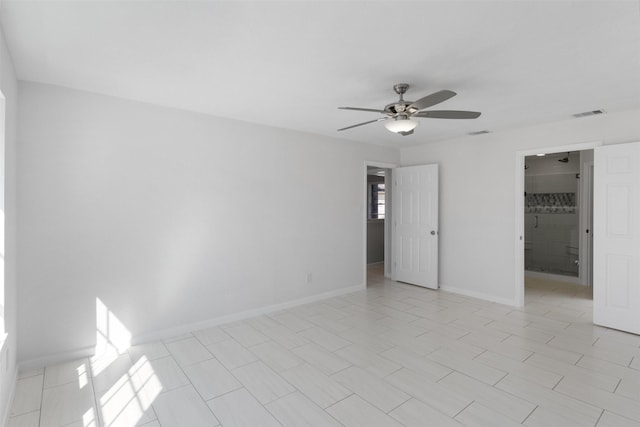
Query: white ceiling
{"type": "Point", "coordinates": [291, 64]}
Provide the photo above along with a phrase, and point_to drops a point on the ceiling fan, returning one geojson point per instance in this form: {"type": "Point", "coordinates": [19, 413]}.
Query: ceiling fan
{"type": "Point", "coordinates": [399, 115]}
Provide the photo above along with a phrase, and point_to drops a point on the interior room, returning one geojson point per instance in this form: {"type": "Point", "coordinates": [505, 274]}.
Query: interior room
{"type": "Point", "coordinates": [377, 233]}
{"type": "Point", "coordinates": [194, 231]}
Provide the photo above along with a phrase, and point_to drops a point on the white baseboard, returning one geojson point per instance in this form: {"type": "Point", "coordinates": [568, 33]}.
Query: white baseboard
{"type": "Point", "coordinates": [40, 362]}
{"type": "Point", "coordinates": [554, 277]}
{"type": "Point", "coordinates": [53, 359]}
{"type": "Point", "coordinates": [479, 295]}
{"type": "Point", "coordinates": [183, 329]}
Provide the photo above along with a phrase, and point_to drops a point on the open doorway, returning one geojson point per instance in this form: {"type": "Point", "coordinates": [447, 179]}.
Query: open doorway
{"type": "Point", "coordinates": [377, 211]}
{"type": "Point", "coordinates": [377, 230]}
{"type": "Point", "coordinates": [558, 212]}
{"type": "Point", "coordinates": [583, 154]}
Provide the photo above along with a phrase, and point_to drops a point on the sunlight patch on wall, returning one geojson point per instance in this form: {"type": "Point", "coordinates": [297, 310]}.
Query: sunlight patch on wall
{"type": "Point", "coordinates": [128, 400]}
{"type": "Point", "coordinates": [112, 338]}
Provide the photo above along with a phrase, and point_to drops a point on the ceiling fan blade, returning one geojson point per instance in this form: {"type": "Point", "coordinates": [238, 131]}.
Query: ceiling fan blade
{"type": "Point", "coordinates": [433, 99]}
{"type": "Point", "coordinates": [364, 123]}
{"type": "Point", "coordinates": [372, 110]}
{"type": "Point", "coordinates": [448, 114]}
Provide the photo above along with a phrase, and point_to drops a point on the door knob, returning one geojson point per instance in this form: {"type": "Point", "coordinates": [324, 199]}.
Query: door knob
{"type": "Point", "coordinates": [433, 232]}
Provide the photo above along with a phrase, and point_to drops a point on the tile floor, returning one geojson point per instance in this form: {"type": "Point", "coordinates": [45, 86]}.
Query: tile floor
{"type": "Point", "coordinates": [392, 355]}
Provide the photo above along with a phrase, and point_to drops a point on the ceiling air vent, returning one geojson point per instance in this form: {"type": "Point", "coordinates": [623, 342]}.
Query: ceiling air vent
{"type": "Point", "coordinates": [589, 113]}
{"type": "Point", "coordinates": [480, 132]}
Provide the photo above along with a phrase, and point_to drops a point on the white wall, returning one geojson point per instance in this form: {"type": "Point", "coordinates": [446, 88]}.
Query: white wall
{"type": "Point", "coordinates": [9, 88]}
{"type": "Point", "coordinates": [172, 218]}
{"type": "Point", "coordinates": [477, 196]}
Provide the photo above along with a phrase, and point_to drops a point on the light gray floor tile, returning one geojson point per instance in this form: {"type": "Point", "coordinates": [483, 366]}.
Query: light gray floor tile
{"type": "Point", "coordinates": [183, 407]}
{"type": "Point", "coordinates": [622, 355]}
{"type": "Point", "coordinates": [609, 419]}
{"type": "Point", "coordinates": [576, 410]}
{"type": "Point", "coordinates": [31, 419]}
{"type": "Point", "coordinates": [262, 323]}
{"type": "Point", "coordinates": [245, 334]}
{"type": "Point", "coordinates": [543, 417]}
{"type": "Point", "coordinates": [292, 322]}
{"type": "Point", "coordinates": [477, 415]}
{"type": "Point", "coordinates": [211, 379]}
{"type": "Point", "coordinates": [417, 363]}
{"type": "Point", "coordinates": [467, 366]}
{"type": "Point", "coordinates": [371, 388]}
{"type": "Point", "coordinates": [620, 405]}
{"type": "Point", "coordinates": [75, 371]}
{"type": "Point", "coordinates": [263, 383]}
{"type": "Point", "coordinates": [30, 373]}
{"type": "Point", "coordinates": [178, 337]}
{"type": "Point", "coordinates": [367, 339]}
{"type": "Point", "coordinates": [415, 413]}
{"type": "Point", "coordinates": [497, 400]}
{"type": "Point", "coordinates": [321, 359]}
{"type": "Point", "coordinates": [368, 360]}
{"type": "Point", "coordinates": [188, 351]}
{"type": "Point", "coordinates": [296, 410]}
{"type": "Point", "coordinates": [629, 388]}
{"type": "Point", "coordinates": [323, 338]}
{"type": "Point", "coordinates": [166, 371]}
{"type": "Point", "coordinates": [211, 335]}
{"type": "Point", "coordinates": [315, 385]}
{"type": "Point", "coordinates": [239, 408]}
{"type": "Point", "coordinates": [567, 370]}
{"type": "Point", "coordinates": [231, 354]}
{"type": "Point", "coordinates": [276, 356]}
{"type": "Point", "coordinates": [150, 351]}
{"type": "Point", "coordinates": [566, 356]}
{"type": "Point", "coordinates": [128, 401]}
{"type": "Point", "coordinates": [285, 337]}
{"type": "Point", "coordinates": [28, 395]}
{"type": "Point", "coordinates": [523, 370]}
{"type": "Point", "coordinates": [107, 376]}
{"type": "Point", "coordinates": [67, 403]}
{"type": "Point", "coordinates": [422, 387]}
{"type": "Point", "coordinates": [353, 411]}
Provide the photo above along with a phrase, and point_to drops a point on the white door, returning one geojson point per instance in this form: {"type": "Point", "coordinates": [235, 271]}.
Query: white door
{"type": "Point", "coordinates": [415, 219]}
{"type": "Point", "coordinates": [616, 234]}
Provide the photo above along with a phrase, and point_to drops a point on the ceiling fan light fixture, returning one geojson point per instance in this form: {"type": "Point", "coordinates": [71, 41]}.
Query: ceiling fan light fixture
{"type": "Point", "coordinates": [401, 124]}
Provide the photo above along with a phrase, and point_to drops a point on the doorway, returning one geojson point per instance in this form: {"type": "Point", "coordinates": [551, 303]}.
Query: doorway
{"type": "Point", "coordinates": [557, 212]}
{"type": "Point", "coordinates": [553, 215]}
{"type": "Point", "coordinates": [377, 220]}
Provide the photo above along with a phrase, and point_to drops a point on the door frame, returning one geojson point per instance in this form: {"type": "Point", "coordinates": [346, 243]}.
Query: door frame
{"type": "Point", "coordinates": [586, 222]}
{"type": "Point", "coordinates": [519, 207]}
{"type": "Point", "coordinates": [388, 273]}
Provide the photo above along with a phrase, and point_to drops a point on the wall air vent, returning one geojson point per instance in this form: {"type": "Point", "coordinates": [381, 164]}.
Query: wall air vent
{"type": "Point", "coordinates": [589, 113]}
{"type": "Point", "coordinates": [480, 132]}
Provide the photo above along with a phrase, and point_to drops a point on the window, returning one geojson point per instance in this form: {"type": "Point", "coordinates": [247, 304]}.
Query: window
{"type": "Point", "coordinates": [376, 201]}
